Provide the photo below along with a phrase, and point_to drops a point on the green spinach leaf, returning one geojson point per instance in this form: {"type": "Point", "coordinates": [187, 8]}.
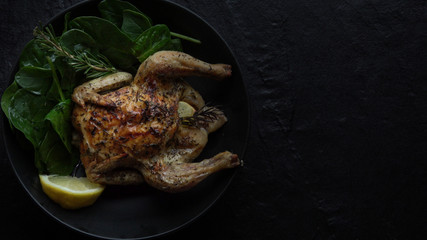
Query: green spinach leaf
{"type": "Point", "coordinates": [175, 45]}
{"type": "Point", "coordinates": [66, 22]}
{"type": "Point", "coordinates": [112, 42]}
{"type": "Point", "coordinates": [152, 40]}
{"type": "Point", "coordinates": [33, 55]}
{"type": "Point", "coordinates": [69, 78]}
{"type": "Point", "coordinates": [59, 161]}
{"type": "Point", "coordinates": [52, 157]}
{"type": "Point", "coordinates": [27, 112]}
{"type": "Point", "coordinates": [77, 40]}
{"type": "Point", "coordinates": [134, 23]}
{"type": "Point", "coordinates": [41, 152]}
{"type": "Point", "coordinates": [7, 97]}
{"type": "Point", "coordinates": [60, 118]}
{"type": "Point", "coordinates": [34, 79]}
{"type": "Point", "coordinates": [112, 10]}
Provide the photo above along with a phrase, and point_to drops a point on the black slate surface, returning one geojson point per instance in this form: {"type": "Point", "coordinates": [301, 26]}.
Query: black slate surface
{"type": "Point", "coordinates": [338, 138]}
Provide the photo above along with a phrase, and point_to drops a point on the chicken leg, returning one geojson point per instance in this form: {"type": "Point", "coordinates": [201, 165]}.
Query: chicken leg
{"type": "Point", "coordinates": [181, 176]}
{"type": "Point", "coordinates": [171, 64]}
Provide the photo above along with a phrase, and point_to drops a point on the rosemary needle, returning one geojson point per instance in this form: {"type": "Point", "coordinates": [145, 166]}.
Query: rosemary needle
{"type": "Point", "coordinates": [92, 63]}
{"type": "Point", "coordinates": [202, 117]}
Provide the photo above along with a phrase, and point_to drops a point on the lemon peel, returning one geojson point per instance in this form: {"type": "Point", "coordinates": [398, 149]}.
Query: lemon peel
{"type": "Point", "coordinates": [185, 109]}
{"type": "Point", "coordinates": [70, 192]}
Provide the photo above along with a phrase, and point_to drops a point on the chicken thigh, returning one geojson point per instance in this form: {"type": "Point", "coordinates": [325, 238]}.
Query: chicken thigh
{"type": "Point", "coordinates": [134, 133]}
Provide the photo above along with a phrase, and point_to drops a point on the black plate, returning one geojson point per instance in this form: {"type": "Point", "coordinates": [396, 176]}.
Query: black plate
{"type": "Point", "coordinates": [143, 212]}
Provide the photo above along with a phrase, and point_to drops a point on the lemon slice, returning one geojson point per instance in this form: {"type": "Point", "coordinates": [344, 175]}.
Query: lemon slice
{"type": "Point", "coordinates": [185, 110]}
{"type": "Point", "coordinates": [70, 192]}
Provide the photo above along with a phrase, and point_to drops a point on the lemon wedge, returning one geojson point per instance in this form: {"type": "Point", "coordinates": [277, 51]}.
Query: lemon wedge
{"type": "Point", "coordinates": [70, 192]}
{"type": "Point", "coordinates": [185, 109]}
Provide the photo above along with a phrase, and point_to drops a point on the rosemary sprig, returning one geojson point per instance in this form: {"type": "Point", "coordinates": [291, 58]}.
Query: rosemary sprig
{"type": "Point", "coordinates": [202, 117]}
{"type": "Point", "coordinates": [93, 65]}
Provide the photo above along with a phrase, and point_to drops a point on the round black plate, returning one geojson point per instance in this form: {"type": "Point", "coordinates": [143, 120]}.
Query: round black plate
{"type": "Point", "coordinates": [142, 212]}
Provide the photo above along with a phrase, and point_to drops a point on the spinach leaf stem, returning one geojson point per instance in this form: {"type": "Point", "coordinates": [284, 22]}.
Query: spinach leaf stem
{"type": "Point", "coordinates": [190, 39]}
{"type": "Point", "coordinates": [55, 79]}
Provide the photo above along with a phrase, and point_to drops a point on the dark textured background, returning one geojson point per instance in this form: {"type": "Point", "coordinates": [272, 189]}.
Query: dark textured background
{"type": "Point", "coordinates": [338, 139]}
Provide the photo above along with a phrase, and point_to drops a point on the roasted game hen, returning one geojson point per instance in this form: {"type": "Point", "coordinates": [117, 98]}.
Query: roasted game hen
{"type": "Point", "coordinates": [134, 133]}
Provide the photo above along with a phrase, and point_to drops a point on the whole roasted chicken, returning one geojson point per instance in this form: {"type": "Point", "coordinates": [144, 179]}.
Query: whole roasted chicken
{"type": "Point", "coordinates": [131, 132]}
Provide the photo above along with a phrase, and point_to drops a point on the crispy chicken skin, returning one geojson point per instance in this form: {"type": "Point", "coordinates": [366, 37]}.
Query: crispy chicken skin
{"type": "Point", "coordinates": [134, 134]}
